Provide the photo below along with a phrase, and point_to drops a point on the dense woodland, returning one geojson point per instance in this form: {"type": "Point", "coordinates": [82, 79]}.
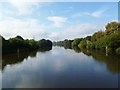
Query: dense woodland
{"type": "Point", "coordinates": [18, 44]}
{"type": "Point", "coordinates": [108, 40]}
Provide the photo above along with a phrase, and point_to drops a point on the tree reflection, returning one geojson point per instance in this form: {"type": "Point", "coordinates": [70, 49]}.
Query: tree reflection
{"type": "Point", "coordinates": [45, 49]}
{"type": "Point", "coordinates": [15, 58]}
{"type": "Point", "coordinates": [76, 49]}
{"type": "Point", "coordinates": [112, 60]}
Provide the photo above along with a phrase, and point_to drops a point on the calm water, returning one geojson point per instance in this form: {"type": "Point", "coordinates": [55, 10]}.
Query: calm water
{"type": "Point", "coordinates": [59, 68]}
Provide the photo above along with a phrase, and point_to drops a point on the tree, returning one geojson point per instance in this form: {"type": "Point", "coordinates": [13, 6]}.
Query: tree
{"type": "Point", "coordinates": [76, 42]}
{"type": "Point", "coordinates": [19, 37]}
{"type": "Point", "coordinates": [44, 43]}
{"type": "Point", "coordinates": [82, 44]}
{"type": "Point", "coordinates": [109, 38]}
{"type": "Point", "coordinates": [111, 27]}
{"type": "Point", "coordinates": [67, 43]}
{"type": "Point", "coordinates": [96, 36]}
{"type": "Point", "coordinates": [18, 43]}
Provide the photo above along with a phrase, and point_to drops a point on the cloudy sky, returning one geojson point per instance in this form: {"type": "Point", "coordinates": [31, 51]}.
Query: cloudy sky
{"type": "Point", "coordinates": [55, 20]}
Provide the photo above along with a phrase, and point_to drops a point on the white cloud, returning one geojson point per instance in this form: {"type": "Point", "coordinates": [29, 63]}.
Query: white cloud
{"type": "Point", "coordinates": [24, 7]}
{"type": "Point", "coordinates": [27, 28]}
{"type": "Point", "coordinates": [97, 14]}
{"type": "Point", "coordinates": [76, 31]}
{"type": "Point", "coordinates": [21, 8]}
{"type": "Point", "coordinates": [10, 27]}
{"type": "Point", "coordinates": [80, 14]}
{"type": "Point", "coordinates": [57, 21]}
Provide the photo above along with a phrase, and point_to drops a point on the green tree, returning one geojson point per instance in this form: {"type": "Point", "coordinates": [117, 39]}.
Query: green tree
{"type": "Point", "coordinates": [111, 27]}
{"type": "Point", "coordinates": [76, 42]}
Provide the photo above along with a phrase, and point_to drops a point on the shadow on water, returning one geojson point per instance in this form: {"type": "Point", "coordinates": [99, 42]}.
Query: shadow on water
{"type": "Point", "coordinates": [112, 60]}
{"type": "Point", "coordinates": [14, 58]}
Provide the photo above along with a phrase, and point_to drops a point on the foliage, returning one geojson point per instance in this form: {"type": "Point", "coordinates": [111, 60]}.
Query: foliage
{"type": "Point", "coordinates": [76, 42]}
{"type": "Point", "coordinates": [109, 38]}
{"type": "Point", "coordinates": [44, 45]}
{"type": "Point", "coordinates": [67, 44]}
{"type": "Point", "coordinates": [82, 44]}
{"type": "Point", "coordinates": [111, 28]}
{"type": "Point", "coordinates": [19, 44]}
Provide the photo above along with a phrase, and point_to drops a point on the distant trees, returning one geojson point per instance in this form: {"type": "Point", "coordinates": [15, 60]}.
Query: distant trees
{"type": "Point", "coordinates": [66, 43]}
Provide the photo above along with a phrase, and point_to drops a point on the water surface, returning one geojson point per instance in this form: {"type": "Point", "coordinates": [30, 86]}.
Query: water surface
{"type": "Point", "coordinates": [60, 68]}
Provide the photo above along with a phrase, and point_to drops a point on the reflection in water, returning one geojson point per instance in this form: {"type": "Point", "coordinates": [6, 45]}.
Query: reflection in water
{"type": "Point", "coordinates": [15, 58]}
{"type": "Point", "coordinates": [61, 68]}
{"type": "Point", "coordinates": [112, 60]}
{"type": "Point", "coordinates": [77, 49]}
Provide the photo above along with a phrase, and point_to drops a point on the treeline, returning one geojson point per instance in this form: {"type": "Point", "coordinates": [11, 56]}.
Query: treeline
{"type": "Point", "coordinates": [18, 44]}
{"type": "Point", "coordinates": [108, 39]}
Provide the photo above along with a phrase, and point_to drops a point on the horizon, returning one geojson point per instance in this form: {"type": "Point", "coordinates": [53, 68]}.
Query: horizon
{"type": "Point", "coordinates": [55, 21]}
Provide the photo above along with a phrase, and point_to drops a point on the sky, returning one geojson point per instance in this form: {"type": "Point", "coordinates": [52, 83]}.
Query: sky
{"type": "Point", "coordinates": [55, 20]}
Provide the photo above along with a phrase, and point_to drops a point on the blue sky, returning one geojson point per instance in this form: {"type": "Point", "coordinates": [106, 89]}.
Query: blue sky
{"type": "Point", "coordinates": [55, 20]}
